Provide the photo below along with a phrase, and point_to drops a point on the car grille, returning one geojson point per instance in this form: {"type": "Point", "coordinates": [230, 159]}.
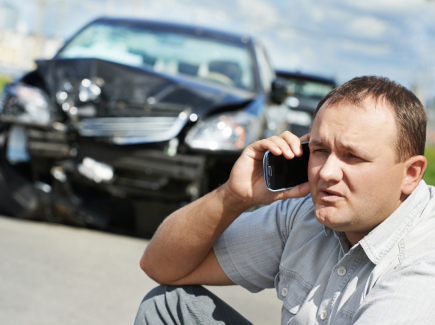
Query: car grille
{"type": "Point", "coordinates": [132, 130]}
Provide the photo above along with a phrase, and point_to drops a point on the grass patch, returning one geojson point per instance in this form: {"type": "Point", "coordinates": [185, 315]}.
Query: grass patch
{"type": "Point", "coordinates": [429, 176]}
{"type": "Point", "coordinates": [3, 81]}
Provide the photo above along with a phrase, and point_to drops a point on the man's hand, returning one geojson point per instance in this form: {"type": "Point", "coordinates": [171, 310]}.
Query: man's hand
{"type": "Point", "coordinates": [181, 251]}
{"type": "Point", "coordinates": [246, 183]}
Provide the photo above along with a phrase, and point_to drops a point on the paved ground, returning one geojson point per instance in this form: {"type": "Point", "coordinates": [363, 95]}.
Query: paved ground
{"type": "Point", "coordinates": [53, 274]}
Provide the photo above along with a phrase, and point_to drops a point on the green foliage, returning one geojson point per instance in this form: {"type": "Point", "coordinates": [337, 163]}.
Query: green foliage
{"type": "Point", "coordinates": [429, 176]}
{"type": "Point", "coordinates": [3, 81]}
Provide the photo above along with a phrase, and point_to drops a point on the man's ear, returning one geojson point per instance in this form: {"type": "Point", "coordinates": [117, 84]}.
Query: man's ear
{"type": "Point", "coordinates": [414, 170]}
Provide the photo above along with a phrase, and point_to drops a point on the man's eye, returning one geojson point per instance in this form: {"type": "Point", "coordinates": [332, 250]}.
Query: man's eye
{"type": "Point", "coordinates": [353, 156]}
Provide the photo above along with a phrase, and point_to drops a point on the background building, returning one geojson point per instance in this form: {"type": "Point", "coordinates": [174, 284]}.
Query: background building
{"type": "Point", "coordinates": [8, 16]}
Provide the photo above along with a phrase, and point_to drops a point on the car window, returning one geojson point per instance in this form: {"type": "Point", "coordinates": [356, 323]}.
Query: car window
{"type": "Point", "coordinates": [166, 52]}
{"type": "Point", "coordinates": [308, 88]}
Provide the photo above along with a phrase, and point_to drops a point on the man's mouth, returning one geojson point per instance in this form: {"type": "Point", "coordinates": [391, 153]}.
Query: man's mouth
{"type": "Point", "coordinates": [330, 196]}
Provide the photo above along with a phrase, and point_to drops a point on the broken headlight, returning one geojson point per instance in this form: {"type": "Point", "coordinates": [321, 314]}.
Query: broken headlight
{"type": "Point", "coordinates": [229, 131]}
{"type": "Point", "coordinates": [78, 98]}
{"type": "Point", "coordinates": [25, 104]}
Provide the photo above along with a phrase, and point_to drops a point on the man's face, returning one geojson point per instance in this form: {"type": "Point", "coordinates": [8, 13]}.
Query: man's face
{"type": "Point", "coordinates": [354, 180]}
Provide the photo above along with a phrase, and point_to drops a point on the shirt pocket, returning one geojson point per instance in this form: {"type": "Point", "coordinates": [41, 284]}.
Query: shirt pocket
{"type": "Point", "coordinates": [344, 317]}
{"type": "Point", "coordinates": [291, 289]}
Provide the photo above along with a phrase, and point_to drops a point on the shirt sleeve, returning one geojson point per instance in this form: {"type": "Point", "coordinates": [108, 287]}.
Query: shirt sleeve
{"type": "Point", "coordinates": [250, 250]}
{"type": "Point", "coordinates": [405, 296]}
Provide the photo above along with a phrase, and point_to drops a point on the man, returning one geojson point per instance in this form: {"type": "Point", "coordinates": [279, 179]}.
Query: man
{"type": "Point", "coordinates": [354, 245]}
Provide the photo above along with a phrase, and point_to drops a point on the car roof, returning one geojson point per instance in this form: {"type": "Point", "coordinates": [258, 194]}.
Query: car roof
{"type": "Point", "coordinates": [304, 76]}
{"type": "Point", "coordinates": [179, 27]}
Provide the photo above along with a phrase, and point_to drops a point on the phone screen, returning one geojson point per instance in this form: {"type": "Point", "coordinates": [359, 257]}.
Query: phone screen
{"type": "Point", "coordinates": [281, 173]}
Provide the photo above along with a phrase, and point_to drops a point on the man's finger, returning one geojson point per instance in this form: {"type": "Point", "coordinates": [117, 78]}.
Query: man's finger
{"type": "Point", "coordinates": [305, 137]}
{"type": "Point", "coordinates": [298, 191]}
{"type": "Point", "coordinates": [293, 142]}
{"type": "Point", "coordinates": [260, 147]}
{"type": "Point", "coordinates": [284, 146]}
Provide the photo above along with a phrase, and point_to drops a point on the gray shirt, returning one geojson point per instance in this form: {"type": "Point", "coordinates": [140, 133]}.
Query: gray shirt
{"type": "Point", "coordinates": [386, 278]}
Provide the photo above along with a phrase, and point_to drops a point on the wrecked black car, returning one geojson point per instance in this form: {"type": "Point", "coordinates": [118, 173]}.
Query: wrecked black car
{"type": "Point", "coordinates": [132, 119]}
{"type": "Point", "coordinates": [307, 90]}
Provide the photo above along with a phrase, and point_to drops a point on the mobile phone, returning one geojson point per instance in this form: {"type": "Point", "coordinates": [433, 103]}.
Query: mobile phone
{"type": "Point", "coordinates": [282, 174]}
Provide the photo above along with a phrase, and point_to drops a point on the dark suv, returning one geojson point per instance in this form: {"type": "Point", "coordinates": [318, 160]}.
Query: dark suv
{"type": "Point", "coordinates": [307, 90]}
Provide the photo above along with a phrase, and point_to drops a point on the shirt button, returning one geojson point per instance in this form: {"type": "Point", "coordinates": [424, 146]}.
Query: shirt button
{"type": "Point", "coordinates": [323, 315]}
{"type": "Point", "coordinates": [284, 292]}
{"type": "Point", "coordinates": [341, 271]}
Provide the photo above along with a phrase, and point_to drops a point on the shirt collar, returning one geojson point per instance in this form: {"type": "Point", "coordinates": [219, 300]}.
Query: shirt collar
{"type": "Point", "coordinates": [341, 236]}
{"type": "Point", "coordinates": [328, 231]}
{"type": "Point", "coordinates": [381, 239]}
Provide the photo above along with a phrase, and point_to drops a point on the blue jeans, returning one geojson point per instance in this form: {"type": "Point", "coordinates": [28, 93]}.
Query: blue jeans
{"type": "Point", "coordinates": [182, 305]}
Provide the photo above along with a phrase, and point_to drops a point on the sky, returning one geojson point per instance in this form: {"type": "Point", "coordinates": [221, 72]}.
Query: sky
{"type": "Point", "coordinates": [333, 38]}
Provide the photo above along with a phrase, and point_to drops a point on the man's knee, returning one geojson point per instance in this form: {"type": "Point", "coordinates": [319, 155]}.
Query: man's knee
{"type": "Point", "coordinates": [176, 294]}
{"type": "Point", "coordinates": [169, 305]}
{"type": "Point", "coordinates": [189, 304]}
{"type": "Point", "coordinates": [157, 291]}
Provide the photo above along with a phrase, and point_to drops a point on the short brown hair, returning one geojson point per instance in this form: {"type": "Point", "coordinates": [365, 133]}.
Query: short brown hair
{"type": "Point", "coordinates": [410, 116]}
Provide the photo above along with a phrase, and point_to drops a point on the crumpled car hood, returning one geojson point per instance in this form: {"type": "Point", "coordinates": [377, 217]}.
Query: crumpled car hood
{"type": "Point", "coordinates": [134, 92]}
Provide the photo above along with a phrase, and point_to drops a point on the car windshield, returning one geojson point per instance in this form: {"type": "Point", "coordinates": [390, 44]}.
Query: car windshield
{"type": "Point", "coordinates": [311, 89]}
{"type": "Point", "coordinates": [165, 52]}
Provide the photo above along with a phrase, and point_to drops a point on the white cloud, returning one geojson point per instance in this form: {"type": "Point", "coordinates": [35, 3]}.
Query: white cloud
{"type": "Point", "coordinates": [286, 34]}
{"type": "Point", "coordinates": [308, 52]}
{"type": "Point", "coordinates": [368, 26]}
{"type": "Point", "coordinates": [287, 60]}
{"type": "Point", "coordinates": [336, 14]}
{"type": "Point", "coordinates": [389, 6]}
{"type": "Point", "coordinates": [365, 48]}
{"type": "Point", "coordinates": [318, 14]}
{"type": "Point", "coordinates": [258, 13]}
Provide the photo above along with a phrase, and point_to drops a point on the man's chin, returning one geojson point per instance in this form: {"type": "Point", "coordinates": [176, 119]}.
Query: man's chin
{"type": "Point", "coordinates": [330, 217]}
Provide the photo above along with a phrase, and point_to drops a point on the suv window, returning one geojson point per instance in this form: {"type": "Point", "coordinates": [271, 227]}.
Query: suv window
{"type": "Point", "coordinates": [309, 88]}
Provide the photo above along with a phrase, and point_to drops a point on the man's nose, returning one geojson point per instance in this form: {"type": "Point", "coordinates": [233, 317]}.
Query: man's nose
{"type": "Point", "coordinates": [331, 170]}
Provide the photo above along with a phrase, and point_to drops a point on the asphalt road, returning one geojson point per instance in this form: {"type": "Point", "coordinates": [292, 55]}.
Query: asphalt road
{"type": "Point", "coordinates": [54, 274]}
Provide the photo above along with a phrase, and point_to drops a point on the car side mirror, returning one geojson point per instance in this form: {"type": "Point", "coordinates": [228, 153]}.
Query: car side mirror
{"type": "Point", "coordinates": [279, 91]}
